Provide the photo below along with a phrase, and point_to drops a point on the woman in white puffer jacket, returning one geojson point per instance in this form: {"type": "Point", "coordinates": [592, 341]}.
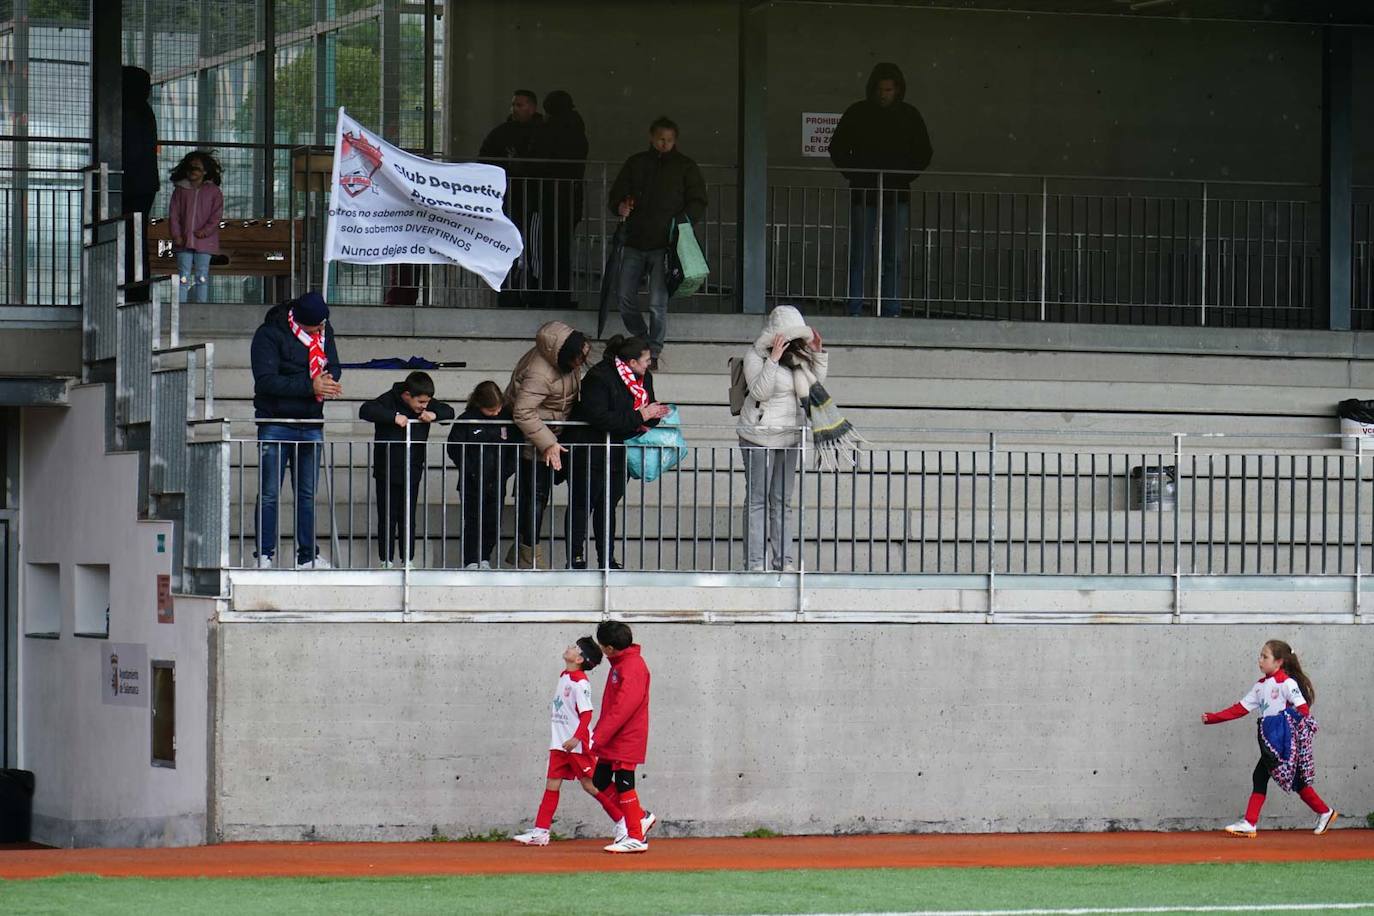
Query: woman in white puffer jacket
{"type": "Point", "coordinates": [770, 430]}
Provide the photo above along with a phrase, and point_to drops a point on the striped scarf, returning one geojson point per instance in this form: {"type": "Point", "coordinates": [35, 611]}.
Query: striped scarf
{"type": "Point", "coordinates": [315, 344]}
{"type": "Point", "coordinates": [633, 383]}
{"type": "Point", "coordinates": [836, 440]}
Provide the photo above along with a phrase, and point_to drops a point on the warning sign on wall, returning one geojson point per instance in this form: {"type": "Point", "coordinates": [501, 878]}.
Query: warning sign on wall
{"type": "Point", "coordinates": [817, 126]}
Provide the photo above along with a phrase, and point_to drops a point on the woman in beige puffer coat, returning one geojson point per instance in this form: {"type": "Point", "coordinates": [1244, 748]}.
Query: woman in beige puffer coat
{"type": "Point", "coordinates": [770, 430]}
{"type": "Point", "coordinates": [544, 386]}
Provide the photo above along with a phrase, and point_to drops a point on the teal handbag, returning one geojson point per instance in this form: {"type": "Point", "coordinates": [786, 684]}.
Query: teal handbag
{"type": "Point", "coordinates": [684, 266]}
{"type": "Point", "coordinates": [656, 449]}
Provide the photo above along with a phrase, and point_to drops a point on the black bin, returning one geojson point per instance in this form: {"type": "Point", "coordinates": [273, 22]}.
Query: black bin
{"type": "Point", "coordinates": [1153, 486]}
{"type": "Point", "coordinates": [16, 806]}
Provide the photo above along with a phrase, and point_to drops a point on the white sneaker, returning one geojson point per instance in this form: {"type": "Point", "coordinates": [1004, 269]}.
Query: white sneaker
{"type": "Point", "coordinates": [758, 568]}
{"type": "Point", "coordinates": [386, 564]}
{"type": "Point", "coordinates": [535, 837]}
{"type": "Point", "coordinates": [621, 831]}
{"type": "Point", "coordinates": [266, 562]}
{"type": "Point", "coordinates": [1243, 828]}
{"type": "Point", "coordinates": [473, 566]}
{"type": "Point", "coordinates": [629, 844]}
{"type": "Point", "coordinates": [647, 824]}
{"type": "Point", "coordinates": [317, 563]}
{"type": "Point", "coordinates": [1324, 821]}
{"type": "Point", "coordinates": [789, 567]}
{"type": "Point", "coordinates": [484, 565]}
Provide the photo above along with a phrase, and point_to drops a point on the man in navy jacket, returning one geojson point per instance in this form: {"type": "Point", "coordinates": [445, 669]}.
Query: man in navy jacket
{"type": "Point", "coordinates": [295, 370]}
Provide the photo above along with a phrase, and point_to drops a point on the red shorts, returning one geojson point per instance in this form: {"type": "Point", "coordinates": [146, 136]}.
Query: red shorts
{"type": "Point", "coordinates": [567, 765]}
{"type": "Point", "coordinates": [618, 765]}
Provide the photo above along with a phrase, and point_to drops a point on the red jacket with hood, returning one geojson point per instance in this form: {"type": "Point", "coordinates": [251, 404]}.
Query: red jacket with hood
{"type": "Point", "coordinates": [622, 732]}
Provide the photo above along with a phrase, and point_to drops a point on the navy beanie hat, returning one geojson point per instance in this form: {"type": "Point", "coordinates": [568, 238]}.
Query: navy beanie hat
{"type": "Point", "coordinates": [310, 309]}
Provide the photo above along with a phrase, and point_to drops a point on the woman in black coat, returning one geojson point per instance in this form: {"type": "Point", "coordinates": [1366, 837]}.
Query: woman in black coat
{"type": "Point", "coordinates": [617, 402]}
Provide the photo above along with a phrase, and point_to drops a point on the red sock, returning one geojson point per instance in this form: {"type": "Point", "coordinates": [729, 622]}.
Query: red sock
{"type": "Point", "coordinates": [1314, 801]}
{"type": "Point", "coordinates": [547, 806]}
{"type": "Point", "coordinates": [607, 798]}
{"type": "Point", "coordinates": [634, 815]}
{"type": "Point", "coordinates": [1252, 810]}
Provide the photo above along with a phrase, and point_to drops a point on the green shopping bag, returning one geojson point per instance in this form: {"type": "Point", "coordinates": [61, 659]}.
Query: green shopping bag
{"type": "Point", "coordinates": [684, 265]}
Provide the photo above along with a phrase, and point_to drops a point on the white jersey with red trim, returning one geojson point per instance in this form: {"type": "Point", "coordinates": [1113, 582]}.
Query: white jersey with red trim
{"type": "Point", "coordinates": [572, 697]}
{"type": "Point", "coordinates": [1273, 694]}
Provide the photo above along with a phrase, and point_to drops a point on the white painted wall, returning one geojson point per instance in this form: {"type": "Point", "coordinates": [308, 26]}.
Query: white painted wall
{"type": "Point", "coordinates": [394, 731]}
{"type": "Point", "coordinates": [95, 782]}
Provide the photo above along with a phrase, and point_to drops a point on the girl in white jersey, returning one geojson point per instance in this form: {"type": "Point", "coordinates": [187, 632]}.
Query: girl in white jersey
{"type": "Point", "coordinates": [1283, 697]}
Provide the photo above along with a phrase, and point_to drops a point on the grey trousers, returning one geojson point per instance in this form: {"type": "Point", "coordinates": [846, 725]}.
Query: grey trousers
{"type": "Point", "coordinates": [768, 517]}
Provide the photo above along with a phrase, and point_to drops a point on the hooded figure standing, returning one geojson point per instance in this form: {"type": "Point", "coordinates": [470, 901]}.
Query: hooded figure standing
{"type": "Point", "coordinates": [139, 150]}
{"type": "Point", "coordinates": [544, 386]}
{"type": "Point", "coordinates": [880, 142]}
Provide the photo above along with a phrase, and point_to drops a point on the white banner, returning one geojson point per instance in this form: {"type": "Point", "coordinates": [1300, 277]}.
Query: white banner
{"type": "Point", "coordinates": [388, 206]}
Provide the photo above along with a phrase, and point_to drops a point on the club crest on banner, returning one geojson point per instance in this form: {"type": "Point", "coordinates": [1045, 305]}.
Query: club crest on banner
{"type": "Point", "coordinates": [359, 161]}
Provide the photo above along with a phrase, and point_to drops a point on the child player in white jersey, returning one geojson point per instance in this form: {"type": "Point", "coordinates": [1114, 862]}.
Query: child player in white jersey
{"type": "Point", "coordinates": [568, 757]}
{"type": "Point", "coordinates": [1283, 698]}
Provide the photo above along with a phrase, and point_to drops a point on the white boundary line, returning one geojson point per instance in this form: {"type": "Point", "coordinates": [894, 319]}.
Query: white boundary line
{"type": "Point", "coordinates": [1093, 911]}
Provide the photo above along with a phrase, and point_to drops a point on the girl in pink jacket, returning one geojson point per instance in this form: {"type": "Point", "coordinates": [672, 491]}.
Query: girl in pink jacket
{"type": "Point", "coordinates": [194, 215]}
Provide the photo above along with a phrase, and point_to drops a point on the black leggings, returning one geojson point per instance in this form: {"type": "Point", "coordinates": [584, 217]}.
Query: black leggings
{"type": "Point", "coordinates": [624, 779]}
{"type": "Point", "coordinates": [1261, 778]}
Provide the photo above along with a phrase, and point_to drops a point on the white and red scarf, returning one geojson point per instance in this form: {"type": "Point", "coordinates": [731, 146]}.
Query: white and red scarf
{"type": "Point", "coordinates": [633, 383]}
{"type": "Point", "coordinates": [313, 343]}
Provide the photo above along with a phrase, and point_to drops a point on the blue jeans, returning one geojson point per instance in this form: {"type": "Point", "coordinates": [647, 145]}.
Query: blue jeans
{"type": "Point", "coordinates": [295, 449]}
{"type": "Point", "coordinates": [632, 269]}
{"type": "Point", "coordinates": [863, 223]}
{"type": "Point", "coordinates": [193, 274]}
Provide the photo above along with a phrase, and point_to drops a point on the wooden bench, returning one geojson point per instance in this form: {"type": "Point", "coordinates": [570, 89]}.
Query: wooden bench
{"type": "Point", "coordinates": [247, 247]}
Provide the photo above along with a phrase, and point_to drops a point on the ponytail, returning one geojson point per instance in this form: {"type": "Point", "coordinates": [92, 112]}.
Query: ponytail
{"type": "Point", "coordinates": [626, 348]}
{"type": "Point", "coordinates": [1284, 653]}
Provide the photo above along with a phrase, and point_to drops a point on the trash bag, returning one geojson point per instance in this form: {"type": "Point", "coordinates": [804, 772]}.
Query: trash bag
{"type": "Point", "coordinates": [610, 277]}
{"type": "Point", "coordinates": [684, 266]}
{"type": "Point", "coordinates": [1357, 410]}
{"type": "Point", "coordinates": [656, 449]}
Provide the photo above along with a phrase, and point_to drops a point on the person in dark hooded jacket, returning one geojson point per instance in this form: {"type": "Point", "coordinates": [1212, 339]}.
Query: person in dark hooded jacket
{"type": "Point", "coordinates": [563, 137]}
{"type": "Point", "coordinates": [881, 141]}
{"type": "Point", "coordinates": [295, 370]}
{"type": "Point", "coordinates": [408, 409]}
{"type": "Point", "coordinates": [139, 151]}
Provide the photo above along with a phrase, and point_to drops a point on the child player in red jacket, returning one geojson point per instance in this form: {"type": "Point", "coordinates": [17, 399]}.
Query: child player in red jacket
{"type": "Point", "coordinates": [621, 735]}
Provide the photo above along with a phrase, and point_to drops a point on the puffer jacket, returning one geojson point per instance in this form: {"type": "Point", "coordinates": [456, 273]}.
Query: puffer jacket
{"type": "Point", "coordinates": [773, 400]}
{"type": "Point", "coordinates": [539, 391]}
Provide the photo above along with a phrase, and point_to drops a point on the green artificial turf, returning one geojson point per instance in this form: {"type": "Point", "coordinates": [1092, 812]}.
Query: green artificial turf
{"type": "Point", "coordinates": [803, 891]}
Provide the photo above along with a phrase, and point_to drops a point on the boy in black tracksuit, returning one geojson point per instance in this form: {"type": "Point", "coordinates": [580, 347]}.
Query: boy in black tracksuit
{"type": "Point", "coordinates": [409, 404]}
{"type": "Point", "coordinates": [485, 455]}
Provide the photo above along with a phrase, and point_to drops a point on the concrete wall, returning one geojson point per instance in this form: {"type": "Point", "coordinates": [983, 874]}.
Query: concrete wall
{"type": "Point", "coordinates": [377, 731]}
{"type": "Point", "coordinates": [1091, 95]}
{"type": "Point", "coordinates": [95, 781]}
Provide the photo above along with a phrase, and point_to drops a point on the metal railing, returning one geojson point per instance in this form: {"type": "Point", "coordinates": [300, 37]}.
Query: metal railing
{"type": "Point", "coordinates": [1048, 248]}
{"type": "Point", "coordinates": [1004, 246]}
{"type": "Point", "coordinates": [1000, 504]}
{"type": "Point", "coordinates": [41, 216]}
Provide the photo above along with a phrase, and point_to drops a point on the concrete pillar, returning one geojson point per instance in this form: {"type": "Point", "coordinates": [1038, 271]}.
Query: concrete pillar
{"type": "Point", "coordinates": [107, 90]}
{"type": "Point", "coordinates": [751, 264]}
{"type": "Point", "coordinates": [1337, 174]}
